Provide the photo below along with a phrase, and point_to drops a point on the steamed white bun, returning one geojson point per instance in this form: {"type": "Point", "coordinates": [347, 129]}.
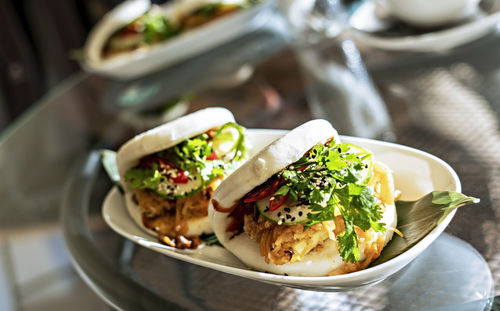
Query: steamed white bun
{"type": "Point", "coordinates": [164, 137]}
{"type": "Point", "coordinates": [256, 171]}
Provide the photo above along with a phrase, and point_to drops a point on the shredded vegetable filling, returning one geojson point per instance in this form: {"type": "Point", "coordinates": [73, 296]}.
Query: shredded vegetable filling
{"type": "Point", "coordinates": [335, 194]}
{"type": "Point", "coordinates": [173, 187]}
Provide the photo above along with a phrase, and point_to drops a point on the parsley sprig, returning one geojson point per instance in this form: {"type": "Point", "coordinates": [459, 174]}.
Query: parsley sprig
{"type": "Point", "coordinates": [331, 179]}
{"type": "Point", "coordinates": [191, 156]}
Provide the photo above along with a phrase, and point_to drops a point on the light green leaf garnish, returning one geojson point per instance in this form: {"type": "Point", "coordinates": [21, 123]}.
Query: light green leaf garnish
{"type": "Point", "coordinates": [418, 218]}
{"type": "Point", "coordinates": [108, 160]}
{"type": "Point", "coordinates": [139, 178]}
{"type": "Point", "coordinates": [210, 239]}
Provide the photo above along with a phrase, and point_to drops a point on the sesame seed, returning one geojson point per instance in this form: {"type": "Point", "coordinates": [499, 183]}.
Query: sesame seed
{"type": "Point", "coordinates": [279, 214]}
{"type": "Point", "coordinates": [300, 213]}
{"type": "Point", "coordinates": [287, 209]}
{"type": "Point", "coordinates": [288, 216]}
{"type": "Point", "coordinates": [293, 219]}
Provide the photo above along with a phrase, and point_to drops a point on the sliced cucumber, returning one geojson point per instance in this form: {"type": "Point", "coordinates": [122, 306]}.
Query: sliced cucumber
{"type": "Point", "coordinates": [172, 190]}
{"type": "Point", "coordinates": [287, 214]}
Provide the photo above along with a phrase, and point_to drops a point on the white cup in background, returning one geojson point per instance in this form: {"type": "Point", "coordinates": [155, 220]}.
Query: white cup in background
{"type": "Point", "coordinates": [429, 13]}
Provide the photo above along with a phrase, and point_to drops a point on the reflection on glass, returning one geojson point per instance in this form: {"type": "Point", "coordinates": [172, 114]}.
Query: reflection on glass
{"type": "Point", "coordinates": [338, 87]}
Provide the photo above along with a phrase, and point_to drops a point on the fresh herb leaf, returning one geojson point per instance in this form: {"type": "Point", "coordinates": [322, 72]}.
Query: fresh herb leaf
{"type": "Point", "coordinates": [450, 201]}
{"type": "Point", "coordinates": [210, 239]}
{"type": "Point", "coordinates": [329, 178]}
{"type": "Point", "coordinates": [190, 156]}
{"type": "Point", "coordinates": [317, 196]}
{"type": "Point", "coordinates": [140, 178]}
{"type": "Point", "coordinates": [348, 243]}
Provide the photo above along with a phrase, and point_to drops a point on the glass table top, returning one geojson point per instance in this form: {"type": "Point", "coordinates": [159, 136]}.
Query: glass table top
{"type": "Point", "coordinates": [445, 104]}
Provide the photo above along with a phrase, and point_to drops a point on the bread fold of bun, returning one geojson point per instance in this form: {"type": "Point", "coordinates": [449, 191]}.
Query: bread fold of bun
{"type": "Point", "coordinates": [169, 135]}
{"type": "Point", "coordinates": [325, 259]}
{"type": "Point", "coordinates": [273, 159]}
{"type": "Point", "coordinates": [159, 139]}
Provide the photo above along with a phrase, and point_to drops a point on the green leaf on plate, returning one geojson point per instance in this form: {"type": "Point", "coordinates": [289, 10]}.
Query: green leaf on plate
{"type": "Point", "coordinates": [210, 239]}
{"type": "Point", "coordinates": [416, 219]}
{"type": "Point", "coordinates": [108, 160]}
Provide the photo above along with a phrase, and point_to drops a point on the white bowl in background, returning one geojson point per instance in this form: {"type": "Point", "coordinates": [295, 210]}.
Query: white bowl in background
{"type": "Point", "coordinates": [145, 60]}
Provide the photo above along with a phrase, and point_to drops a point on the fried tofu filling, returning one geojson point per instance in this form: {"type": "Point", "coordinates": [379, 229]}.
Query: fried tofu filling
{"type": "Point", "coordinates": [282, 244]}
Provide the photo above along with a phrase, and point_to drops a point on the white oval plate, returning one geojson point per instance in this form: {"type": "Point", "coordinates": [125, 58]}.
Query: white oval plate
{"type": "Point", "coordinates": [142, 61]}
{"type": "Point", "coordinates": [432, 41]}
{"type": "Point", "coordinates": [415, 173]}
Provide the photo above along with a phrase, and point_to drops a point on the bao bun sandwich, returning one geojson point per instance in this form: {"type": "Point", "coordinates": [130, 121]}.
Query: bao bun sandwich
{"type": "Point", "coordinates": [160, 24]}
{"type": "Point", "coordinates": [306, 205]}
{"type": "Point", "coordinates": [170, 172]}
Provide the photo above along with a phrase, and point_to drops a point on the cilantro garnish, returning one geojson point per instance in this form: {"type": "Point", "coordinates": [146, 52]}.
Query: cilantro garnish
{"type": "Point", "coordinates": [144, 178]}
{"type": "Point", "coordinates": [331, 179]}
{"type": "Point", "coordinates": [198, 156]}
{"type": "Point", "coordinates": [208, 10]}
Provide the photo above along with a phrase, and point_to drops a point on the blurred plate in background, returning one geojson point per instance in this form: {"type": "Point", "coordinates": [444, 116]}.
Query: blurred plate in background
{"type": "Point", "coordinates": [191, 43]}
{"type": "Point", "coordinates": [384, 32]}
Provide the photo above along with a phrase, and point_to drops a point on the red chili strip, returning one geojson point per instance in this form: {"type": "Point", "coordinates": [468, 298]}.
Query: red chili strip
{"type": "Point", "coordinates": [181, 177]}
{"type": "Point", "coordinates": [303, 167]}
{"type": "Point", "coordinates": [212, 156]}
{"type": "Point", "coordinates": [261, 192]}
{"type": "Point", "coordinates": [278, 200]}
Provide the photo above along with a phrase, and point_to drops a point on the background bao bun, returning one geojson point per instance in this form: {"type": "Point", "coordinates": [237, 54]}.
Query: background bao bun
{"type": "Point", "coordinates": [164, 137]}
{"type": "Point", "coordinates": [256, 171]}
